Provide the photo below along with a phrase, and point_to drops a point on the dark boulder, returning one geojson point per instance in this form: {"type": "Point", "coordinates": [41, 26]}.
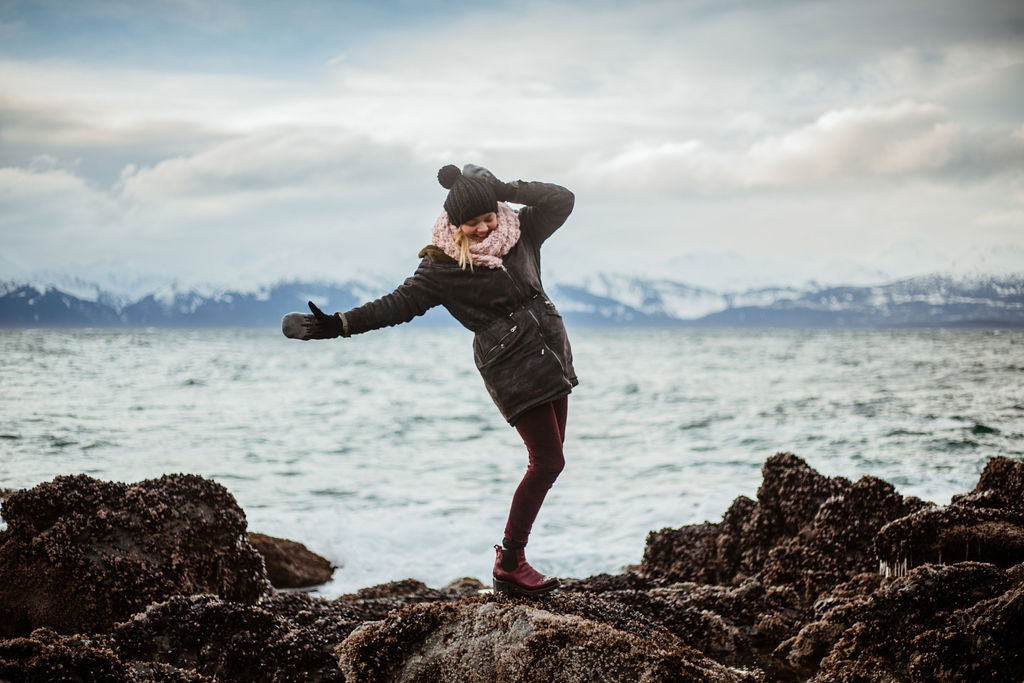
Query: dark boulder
{"type": "Point", "coordinates": [805, 531]}
{"type": "Point", "coordinates": [80, 554]}
{"type": "Point", "coordinates": [737, 547]}
{"type": "Point", "coordinates": [1004, 478]}
{"type": "Point", "coordinates": [23, 660]}
{"type": "Point", "coordinates": [762, 568]}
{"type": "Point", "coordinates": [961, 622]}
{"type": "Point", "coordinates": [985, 525]}
{"type": "Point", "coordinates": [954, 533]}
{"type": "Point", "coordinates": [760, 571]}
{"type": "Point", "coordinates": [290, 564]}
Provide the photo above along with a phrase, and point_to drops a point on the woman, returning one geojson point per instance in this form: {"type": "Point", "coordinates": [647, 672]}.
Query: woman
{"type": "Point", "coordinates": [483, 265]}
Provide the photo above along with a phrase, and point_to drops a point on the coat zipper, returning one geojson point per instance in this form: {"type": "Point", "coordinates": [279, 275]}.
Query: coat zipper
{"type": "Point", "coordinates": [544, 341]}
{"type": "Point", "coordinates": [511, 279]}
{"type": "Point", "coordinates": [501, 342]}
{"type": "Point", "coordinates": [540, 330]}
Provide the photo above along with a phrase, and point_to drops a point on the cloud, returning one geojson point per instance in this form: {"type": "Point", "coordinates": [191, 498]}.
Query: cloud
{"type": "Point", "coordinates": [270, 163]}
{"type": "Point", "coordinates": [46, 211]}
{"type": "Point", "coordinates": [904, 140]}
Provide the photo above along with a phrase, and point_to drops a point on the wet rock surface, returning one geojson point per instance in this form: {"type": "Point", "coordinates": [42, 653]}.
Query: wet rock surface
{"type": "Point", "coordinates": [815, 578]}
{"type": "Point", "coordinates": [494, 639]}
{"type": "Point", "coordinates": [290, 564]}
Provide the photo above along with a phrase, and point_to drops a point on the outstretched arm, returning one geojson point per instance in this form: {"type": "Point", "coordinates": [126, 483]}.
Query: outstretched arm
{"type": "Point", "coordinates": [413, 297]}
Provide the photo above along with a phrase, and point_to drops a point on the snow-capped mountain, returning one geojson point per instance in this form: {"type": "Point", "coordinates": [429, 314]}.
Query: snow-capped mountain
{"type": "Point", "coordinates": [654, 297]}
{"type": "Point", "coordinates": [601, 300]}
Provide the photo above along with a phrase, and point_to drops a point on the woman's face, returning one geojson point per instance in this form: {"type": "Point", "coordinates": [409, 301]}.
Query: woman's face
{"type": "Point", "coordinates": [480, 227]}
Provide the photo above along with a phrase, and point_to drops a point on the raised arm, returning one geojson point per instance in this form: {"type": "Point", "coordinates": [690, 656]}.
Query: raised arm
{"type": "Point", "coordinates": [546, 205]}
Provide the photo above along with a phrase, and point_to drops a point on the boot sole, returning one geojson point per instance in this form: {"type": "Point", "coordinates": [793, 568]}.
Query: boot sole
{"type": "Point", "coordinates": [509, 588]}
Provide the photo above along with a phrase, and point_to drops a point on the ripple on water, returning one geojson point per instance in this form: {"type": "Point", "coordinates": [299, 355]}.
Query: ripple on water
{"type": "Point", "coordinates": [97, 444]}
{"type": "Point", "coordinates": [218, 476]}
{"type": "Point", "coordinates": [979, 428]}
{"type": "Point", "coordinates": [904, 432]}
{"type": "Point", "coordinates": [333, 493]}
{"type": "Point", "coordinates": [955, 444]}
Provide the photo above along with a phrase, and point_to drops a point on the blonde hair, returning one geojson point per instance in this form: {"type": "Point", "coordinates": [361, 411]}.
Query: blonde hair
{"type": "Point", "coordinates": [462, 243]}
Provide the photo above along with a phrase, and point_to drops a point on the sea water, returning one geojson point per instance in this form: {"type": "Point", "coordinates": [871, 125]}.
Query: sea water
{"type": "Point", "coordinates": [384, 453]}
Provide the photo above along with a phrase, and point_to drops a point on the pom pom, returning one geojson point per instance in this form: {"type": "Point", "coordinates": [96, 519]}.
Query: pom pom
{"type": "Point", "coordinates": [448, 175]}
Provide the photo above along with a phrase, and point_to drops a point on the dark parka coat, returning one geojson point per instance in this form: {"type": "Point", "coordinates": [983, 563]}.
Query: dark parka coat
{"type": "Point", "coordinates": [520, 347]}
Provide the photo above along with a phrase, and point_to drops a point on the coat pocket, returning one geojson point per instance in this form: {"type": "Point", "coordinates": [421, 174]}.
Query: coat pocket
{"type": "Point", "coordinates": [496, 341]}
{"type": "Point", "coordinates": [502, 346]}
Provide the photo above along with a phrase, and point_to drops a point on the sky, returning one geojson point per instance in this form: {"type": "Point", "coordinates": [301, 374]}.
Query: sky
{"type": "Point", "coordinates": [718, 143]}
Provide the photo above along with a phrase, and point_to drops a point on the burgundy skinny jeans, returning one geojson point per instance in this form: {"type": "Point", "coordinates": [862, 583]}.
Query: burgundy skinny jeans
{"type": "Point", "coordinates": [543, 432]}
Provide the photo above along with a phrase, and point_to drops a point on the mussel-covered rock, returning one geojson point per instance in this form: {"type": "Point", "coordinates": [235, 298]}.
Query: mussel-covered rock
{"type": "Point", "coordinates": [80, 554]}
{"type": "Point", "coordinates": [961, 622]}
{"type": "Point", "coordinates": [489, 639]}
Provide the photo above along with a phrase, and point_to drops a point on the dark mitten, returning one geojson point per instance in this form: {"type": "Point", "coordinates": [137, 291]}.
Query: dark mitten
{"type": "Point", "coordinates": [503, 192]}
{"type": "Point", "coordinates": [316, 326]}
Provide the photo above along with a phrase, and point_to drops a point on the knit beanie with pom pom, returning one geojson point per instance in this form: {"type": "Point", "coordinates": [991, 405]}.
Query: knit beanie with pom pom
{"type": "Point", "coordinates": [467, 197]}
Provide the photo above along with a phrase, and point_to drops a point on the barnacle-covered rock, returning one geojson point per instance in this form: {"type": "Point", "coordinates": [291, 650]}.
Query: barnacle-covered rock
{"type": "Point", "coordinates": [80, 554]}
{"type": "Point", "coordinates": [985, 525]}
{"type": "Point", "coordinates": [46, 655]}
{"type": "Point", "coordinates": [741, 587]}
{"type": "Point", "coordinates": [805, 530]}
{"type": "Point", "coordinates": [487, 638]}
{"type": "Point", "coordinates": [236, 642]}
{"type": "Point", "coordinates": [961, 622]}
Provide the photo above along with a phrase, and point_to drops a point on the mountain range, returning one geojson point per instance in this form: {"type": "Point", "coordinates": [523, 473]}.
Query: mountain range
{"type": "Point", "coordinates": [603, 300]}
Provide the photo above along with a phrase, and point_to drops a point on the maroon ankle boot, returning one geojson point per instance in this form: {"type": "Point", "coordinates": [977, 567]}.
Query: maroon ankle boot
{"type": "Point", "coordinates": [513, 575]}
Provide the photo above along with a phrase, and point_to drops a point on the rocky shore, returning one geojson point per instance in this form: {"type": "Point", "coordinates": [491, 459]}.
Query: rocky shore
{"type": "Point", "coordinates": [815, 579]}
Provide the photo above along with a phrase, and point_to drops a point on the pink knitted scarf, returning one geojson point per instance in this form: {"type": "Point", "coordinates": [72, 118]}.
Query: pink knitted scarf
{"type": "Point", "coordinates": [489, 251]}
